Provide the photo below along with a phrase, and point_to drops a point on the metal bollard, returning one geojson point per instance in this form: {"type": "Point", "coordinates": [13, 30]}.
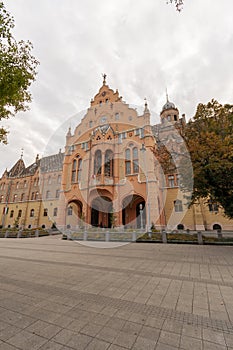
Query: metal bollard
{"type": "Point", "coordinates": [199, 237]}
{"type": "Point", "coordinates": [164, 236]}
{"type": "Point", "coordinates": [134, 238]}
{"type": "Point", "coordinates": [107, 236]}
{"type": "Point", "coordinates": [219, 233]}
{"type": "Point", "coordinates": [85, 235]}
{"type": "Point", "coordinates": [6, 234]}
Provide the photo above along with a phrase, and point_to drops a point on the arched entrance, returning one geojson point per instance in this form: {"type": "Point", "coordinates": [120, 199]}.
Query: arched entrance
{"type": "Point", "coordinates": [101, 212]}
{"type": "Point", "coordinates": [134, 212]}
{"type": "Point", "coordinates": [74, 214]}
{"type": "Point", "coordinates": [217, 227]}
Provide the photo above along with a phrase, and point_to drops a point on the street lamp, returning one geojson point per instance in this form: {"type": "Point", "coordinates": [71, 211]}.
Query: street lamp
{"type": "Point", "coordinates": [143, 150]}
{"type": "Point", "coordinates": [140, 207]}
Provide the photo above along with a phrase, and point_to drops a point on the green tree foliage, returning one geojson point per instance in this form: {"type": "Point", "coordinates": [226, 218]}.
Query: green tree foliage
{"type": "Point", "coordinates": [209, 138]}
{"type": "Point", "coordinates": [17, 71]}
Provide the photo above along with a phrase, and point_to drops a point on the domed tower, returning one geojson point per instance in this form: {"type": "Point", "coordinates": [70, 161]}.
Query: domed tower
{"type": "Point", "coordinates": [169, 112]}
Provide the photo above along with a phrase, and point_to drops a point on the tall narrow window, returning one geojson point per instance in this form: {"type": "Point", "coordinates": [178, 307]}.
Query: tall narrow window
{"type": "Point", "coordinates": [15, 198]}
{"type": "Point", "coordinates": [97, 162]}
{"type": "Point", "coordinates": [32, 196]}
{"type": "Point", "coordinates": [69, 210]}
{"type": "Point", "coordinates": [45, 212]}
{"type": "Point", "coordinates": [11, 213]}
{"type": "Point", "coordinates": [55, 212]}
{"type": "Point", "coordinates": [178, 178]}
{"type": "Point", "coordinates": [80, 163]}
{"type": "Point", "coordinates": [59, 179]}
{"type": "Point", "coordinates": [73, 176]}
{"type": "Point", "coordinates": [57, 193]}
{"type": "Point", "coordinates": [127, 162]}
{"type": "Point", "coordinates": [19, 213]}
{"type": "Point", "coordinates": [108, 163]}
{"type": "Point", "coordinates": [171, 181]}
{"type": "Point", "coordinates": [37, 195]}
{"type": "Point", "coordinates": [178, 206]}
{"type": "Point", "coordinates": [32, 212]}
{"type": "Point", "coordinates": [48, 194]}
{"type": "Point", "coordinates": [1, 199]}
{"type": "Point", "coordinates": [22, 197]}
{"type": "Point", "coordinates": [135, 160]}
{"type": "Point", "coordinates": [49, 180]}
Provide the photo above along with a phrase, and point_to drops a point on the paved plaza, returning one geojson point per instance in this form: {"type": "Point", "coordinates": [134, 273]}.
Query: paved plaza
{"type": "Point", "coordinates": [61, 295]}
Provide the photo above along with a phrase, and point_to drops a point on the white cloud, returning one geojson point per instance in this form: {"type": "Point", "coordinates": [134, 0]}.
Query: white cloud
{"type": "Point", "coordinates": [143, 47]}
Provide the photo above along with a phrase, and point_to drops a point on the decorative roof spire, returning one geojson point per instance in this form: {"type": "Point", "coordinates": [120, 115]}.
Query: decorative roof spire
{"type": "Point", "coordinates": [104, 76]}
{"type": "Point", "coordinates": [21, 156]}
{"type": "Point", "coordinates": [69, 132]}
{"type": "Point", "coordinates": [146, 106]}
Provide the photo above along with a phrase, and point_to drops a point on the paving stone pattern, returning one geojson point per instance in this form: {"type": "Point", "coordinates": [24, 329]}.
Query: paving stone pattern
{"type": "Point", "coordinates": [61, 295]}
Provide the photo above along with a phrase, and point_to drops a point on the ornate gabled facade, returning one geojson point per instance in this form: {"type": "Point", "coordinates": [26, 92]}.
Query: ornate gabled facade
{"type": "Point", "coordinates": [108, 176]}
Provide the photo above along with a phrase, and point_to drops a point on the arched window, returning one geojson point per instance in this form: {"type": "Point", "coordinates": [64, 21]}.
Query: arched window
{"type": "Point", "coordinates": [97, 162]}
{"type": "Point", "coordinates": [32, 212]}
{"type": "Point", "coordinates": [19, 213]}
{"type": "Point", "coordinates": [76, 170]}
{"type": "Point", "coordinates": [33, 195]}
{"type": "Point", "coordinates": [127, 161]}
{"type": "Point", "coordinates": [73, 176]}
{"type": "Point", "coordinates": [22, 197]}
{"type": "Point", "coordinates": [15, 198]}
{"type": "Point", "coordinates": [11, 213]}
{"type": "Point", "coordinates": [178, 206]}
{"type": "Point", "coordinates": [37, 195]}
{"type": "Point", "coordinates": [135, 160]}
{"type": "Point", "coordinates": [108, 163]}
{"type": "Point", "coordinates": [80, 164]}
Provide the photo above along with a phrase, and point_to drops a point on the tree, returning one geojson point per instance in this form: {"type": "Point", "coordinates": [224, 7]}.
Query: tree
{"type": "Point", "coordinates": [209, 138]}
{"type": "Point", "coordinates": [17, 71]}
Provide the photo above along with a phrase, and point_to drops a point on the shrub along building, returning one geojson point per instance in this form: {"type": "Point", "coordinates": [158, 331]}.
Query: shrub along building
{"type": "Point", "coordinates": [108, 176]}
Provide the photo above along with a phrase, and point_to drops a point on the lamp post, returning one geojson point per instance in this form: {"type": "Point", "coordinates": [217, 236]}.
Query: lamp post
{"type": "Point", "coordinates": [141, 222]}
{"type": "Point", "coordinates": [143, 150]}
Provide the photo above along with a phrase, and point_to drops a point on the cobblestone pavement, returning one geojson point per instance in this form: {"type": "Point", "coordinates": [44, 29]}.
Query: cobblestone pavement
{"type": "Point", "coordinates": [61, 295]}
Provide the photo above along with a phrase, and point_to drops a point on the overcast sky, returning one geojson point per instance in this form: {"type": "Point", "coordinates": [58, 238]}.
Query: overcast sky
{"type": "Point", "coordinates": [142, 46]}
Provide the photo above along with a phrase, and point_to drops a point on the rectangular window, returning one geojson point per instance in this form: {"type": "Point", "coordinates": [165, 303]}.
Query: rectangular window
{"type": "Point", "coordinates": [178, 206]}
{"type": "Point", "coordinates": [45, 212]}
{"type": "Point", "coordinates": [57, 193]}
{"type": "Point", "coordinates": [55, 212]}
{"type": "Point", "coordinates": [171, 181]}
{"type": "Point", "coordinates": [128, 167]}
